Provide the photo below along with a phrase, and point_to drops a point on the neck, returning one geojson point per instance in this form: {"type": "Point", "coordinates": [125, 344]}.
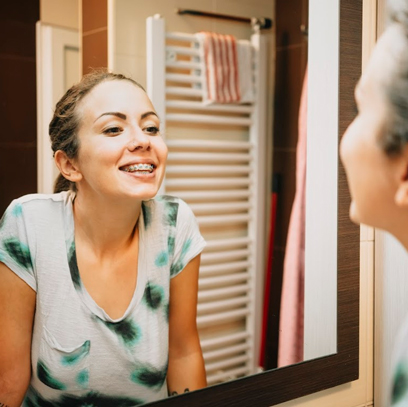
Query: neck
{"type": "Point", "coordinates": [107, 226]}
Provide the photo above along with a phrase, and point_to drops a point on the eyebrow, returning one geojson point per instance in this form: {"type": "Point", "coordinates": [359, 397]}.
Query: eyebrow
{"type": "Point", "coordinates": [124, 117]}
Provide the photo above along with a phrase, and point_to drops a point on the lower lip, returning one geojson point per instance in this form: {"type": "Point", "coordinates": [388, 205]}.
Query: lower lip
{"type": "Point", "coordinates": [139, 175]}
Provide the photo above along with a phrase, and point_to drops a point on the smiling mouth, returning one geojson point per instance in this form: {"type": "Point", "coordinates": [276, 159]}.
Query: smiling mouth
{"type": "Point", "coordinates": [138, 168]}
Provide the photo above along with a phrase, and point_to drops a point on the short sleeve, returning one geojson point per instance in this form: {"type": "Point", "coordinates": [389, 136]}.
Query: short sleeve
{"type": "Point", "coordinates": [188, 240]}
{"type": "Point", "coordinates": [14, 246]}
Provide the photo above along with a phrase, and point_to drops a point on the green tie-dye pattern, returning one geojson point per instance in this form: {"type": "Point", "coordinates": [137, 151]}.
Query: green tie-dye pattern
{"type": "Point", "coordinates": [180, 264]}
{"type": "Point", "coordinates": [149, 376]}
{"type": "Point", "coordinates": [77, 355]}
{"type": "Point", "coordinates": [2, 219]}
{"type": "Point", "coordinates": [170, 213]}
{"type": "Point", "coordinates": [45, 376]}
{"type": "Point", "coordinates": [147, 215]}
{"type": "Point", "coordinates": [83, 378]}
{"type": "Point", "coordinates": [167, 198]}
{"type": "Point", "coordinates": [127, 330]}
{"type": "Point", "coordinates": [91, 399]}
{"type": "Point", "coordinates": [73, 267]}
{"type": "Point", "coordinates": [171, 240]}
{"type": "Point", "coordinates": [162, 259]}
{"type": "Point", "coordinates": [19, 252]}
{"type": "Point", "coordinates": [167, 311]}
{"type": "Point", "coordinates": [400, 385]}
{"type": "Point", "coordinates": [153, 295]}
{"type": "Point", "coordinates": [17, 210]}
{"type": "Point", "coordinates": [186, 247]}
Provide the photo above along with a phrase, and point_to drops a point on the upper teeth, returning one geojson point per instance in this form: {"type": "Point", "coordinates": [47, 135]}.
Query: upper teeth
{"type": "Point", "coordinates": [139, 167]}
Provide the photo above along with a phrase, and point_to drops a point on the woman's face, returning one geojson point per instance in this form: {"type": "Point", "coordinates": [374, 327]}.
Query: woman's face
{"type": "Point", "coordinates": [373, 177]}
{"type": "Point", "coordinates": [121, 153]}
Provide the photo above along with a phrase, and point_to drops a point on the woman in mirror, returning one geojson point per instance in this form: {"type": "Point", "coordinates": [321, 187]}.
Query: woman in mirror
{"type": "Point", "coordinates": [98, 281]}
{"type": "Point", "coordinates": [374, 151]}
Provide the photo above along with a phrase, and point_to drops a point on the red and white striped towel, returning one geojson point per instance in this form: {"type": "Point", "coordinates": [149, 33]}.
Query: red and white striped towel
{"type": "Point", "coordinates": [221, 68]}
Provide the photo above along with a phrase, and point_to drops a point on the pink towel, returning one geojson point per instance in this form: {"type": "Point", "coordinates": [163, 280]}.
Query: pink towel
{"type": "Point", "coordinates": [292, 302]}
{"type": "Point", "coordinates": [221, 68]}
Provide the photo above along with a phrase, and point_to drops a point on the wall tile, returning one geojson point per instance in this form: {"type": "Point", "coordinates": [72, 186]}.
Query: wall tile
{"type": "Point", "coordinates": [18, 114]}
{"type": "Point", "coordinates": [95, 51]}
{"type": "Point", "coordinates": [288, 87]}
{"type": "Point", "coordinates": [284, 164]}
{"type": "Point", "coordinates": [290, 16]}
{"type": "Point", "coordinates": [94, 15]}
{"type": "Point", "coordinates": [17, 38]}
{"type": "Point", "coordinates": [25, 11]}
{"type": "Point", "coordinates": [18, 173]}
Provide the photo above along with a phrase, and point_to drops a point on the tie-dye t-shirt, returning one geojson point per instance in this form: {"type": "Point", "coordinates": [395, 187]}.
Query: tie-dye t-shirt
{"type": "Point", "coordinates": [399, 378]}
{"type": "Point", "coordinates": [80, 356]}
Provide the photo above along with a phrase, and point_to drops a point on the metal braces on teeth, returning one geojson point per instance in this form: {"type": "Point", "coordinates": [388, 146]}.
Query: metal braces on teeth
{"type": "Point", "coordinates": [140, 167]}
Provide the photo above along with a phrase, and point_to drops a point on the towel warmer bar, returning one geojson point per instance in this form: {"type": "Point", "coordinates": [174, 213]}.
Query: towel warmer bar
{"type": "Point", "coordinates": [216, 164]}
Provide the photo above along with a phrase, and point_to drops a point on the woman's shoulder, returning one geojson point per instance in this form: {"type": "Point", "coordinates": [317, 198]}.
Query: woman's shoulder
{"type": "Point", "coordinates": [38, 201]}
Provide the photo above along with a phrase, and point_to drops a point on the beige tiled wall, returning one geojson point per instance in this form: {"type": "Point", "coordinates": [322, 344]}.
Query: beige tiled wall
{"type": "Point", "coordinates": [129, 26]}
{"type": "Point", "coordinates": [64, 13]}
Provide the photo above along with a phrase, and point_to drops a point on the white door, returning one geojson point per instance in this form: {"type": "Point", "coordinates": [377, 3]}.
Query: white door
{"type": "Point", "coordinates": [58, 67]}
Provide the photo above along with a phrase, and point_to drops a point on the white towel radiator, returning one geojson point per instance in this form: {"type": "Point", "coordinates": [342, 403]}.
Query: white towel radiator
{"type": "Point", "coordinates": [216, 164]}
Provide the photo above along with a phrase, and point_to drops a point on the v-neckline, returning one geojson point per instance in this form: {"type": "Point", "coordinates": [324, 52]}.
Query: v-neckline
{"type": "Point", "coordinates": [76, 280]}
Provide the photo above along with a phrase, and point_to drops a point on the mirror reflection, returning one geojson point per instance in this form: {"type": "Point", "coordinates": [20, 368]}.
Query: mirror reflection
{"type": "Point", "coordinates": [222, 162]}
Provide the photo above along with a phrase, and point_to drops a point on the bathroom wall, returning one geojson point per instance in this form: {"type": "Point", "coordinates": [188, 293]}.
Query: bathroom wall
{"type": "Point", "coordinates": [18, 138]}
{"type": "Point", "coordinates": [64, 13]}
{"type": "Point", "coordinates": [128, 34]}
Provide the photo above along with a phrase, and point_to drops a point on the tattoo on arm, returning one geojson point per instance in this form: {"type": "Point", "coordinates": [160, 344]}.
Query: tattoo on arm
{"type": "Point", "coordinates": [173, 393]}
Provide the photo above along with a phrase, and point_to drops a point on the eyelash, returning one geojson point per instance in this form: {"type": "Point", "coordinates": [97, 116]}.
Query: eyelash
{"type": "Point", "coordinates": [152, 130]}
{"type": "Point", "coordinates": [112, 130]}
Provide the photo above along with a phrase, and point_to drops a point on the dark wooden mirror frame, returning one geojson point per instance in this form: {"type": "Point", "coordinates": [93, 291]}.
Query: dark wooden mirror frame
{"type": "Point", "coordinates": [287, 383]}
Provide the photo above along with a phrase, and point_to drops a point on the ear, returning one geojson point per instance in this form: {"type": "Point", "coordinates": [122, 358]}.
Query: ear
{"type": "Point", "coordinates": [67, 167]}
{"type": "Point", "coordinates": [401, 196]}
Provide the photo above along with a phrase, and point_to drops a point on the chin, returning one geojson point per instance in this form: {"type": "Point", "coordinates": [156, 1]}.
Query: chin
{"type": "Point", "coordinates": [354, 214]}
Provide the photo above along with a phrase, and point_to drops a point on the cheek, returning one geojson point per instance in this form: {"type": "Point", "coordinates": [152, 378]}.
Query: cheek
{"type": "Point", "coordinates": [161, 149]}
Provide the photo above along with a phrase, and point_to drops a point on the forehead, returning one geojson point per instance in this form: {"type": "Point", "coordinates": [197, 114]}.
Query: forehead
{"type": "Point", "coordinates": [115, 96]}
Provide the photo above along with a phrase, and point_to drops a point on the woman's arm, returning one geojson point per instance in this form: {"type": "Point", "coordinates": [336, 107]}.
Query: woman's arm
{"type": "Point", "coordinates": [186, 370]}
{"type": "Point", "coordinates": [17, 306]}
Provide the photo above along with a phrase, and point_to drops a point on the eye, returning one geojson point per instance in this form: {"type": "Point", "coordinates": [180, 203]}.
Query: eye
{"type": "Point", "coordinates": [111, 131]}
{"type": "Point", "coordinates": [152, 130]}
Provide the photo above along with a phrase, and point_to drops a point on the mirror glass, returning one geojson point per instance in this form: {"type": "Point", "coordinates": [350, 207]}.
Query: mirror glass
{"type": "Point", "coordinates": [289, 313]}
{"type": "Point", "coordinates": [272, 317]}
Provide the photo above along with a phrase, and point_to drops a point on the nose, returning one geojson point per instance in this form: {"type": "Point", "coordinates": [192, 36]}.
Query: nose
{"type": "Point", "coordinates": [139, 140]}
